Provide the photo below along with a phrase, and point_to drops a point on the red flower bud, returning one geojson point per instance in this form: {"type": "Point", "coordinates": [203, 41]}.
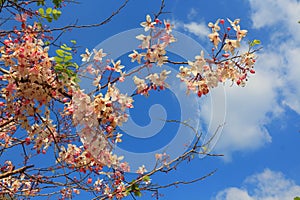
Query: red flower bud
{"type": "Point", "coordinates": [89, 181]}
{"type": "Point", "coordinates": [27, 141]}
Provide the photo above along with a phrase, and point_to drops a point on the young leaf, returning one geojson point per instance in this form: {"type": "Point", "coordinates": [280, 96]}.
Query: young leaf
{"type": "Point", "coordinates": [49, 19]}
{"type": "Point", "coordinates": [56, 14]}
{"type": "Point", "coordinates": [138, 193]}
{"type": "Point", "coordinates": [60, 52]}
{"type": "Point", "coordinates": [48, 11]}
{"type": "Point", "coordinates": [256, 42]}
{"type": "Point", "coordinates": [73, 41]}
{"type": "Point", "coordinates": [65, 47]}
{"type": "Point", "coordinates": [146, 178]}
{"type": "Point", "coordinates": [58, 59]}
{"type": "Point", "coordinates": [41, 11]}
{"type": "Point", "coordinates": [68, 58]}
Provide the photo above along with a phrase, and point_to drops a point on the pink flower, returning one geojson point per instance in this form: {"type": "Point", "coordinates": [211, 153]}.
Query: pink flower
{"type": "Point", "coordinates": [99, 54]}
{"type": "Point", "coordinates": [168, 27]}
{"type": "Point", "coordinates": [86, 56]}
{"type": "Point", "coordinates": [11, 87]}
{"type": "Point", "coordinates": [21, 17]}
{"type": "Point", "coordinates": [135, 56]}
{"type": "Point", "coordinates": [117, 66]}
{"type": "Point", "coordinates": [148, 24]}
{"type": "Point", "coordinates": [145, 40]}
{"type": "Point", "coordinates": [142, 169]}
{"type": "Point", "coordinates": [214, 38]}
{"type": "Point", "coordinates": [214, 27]}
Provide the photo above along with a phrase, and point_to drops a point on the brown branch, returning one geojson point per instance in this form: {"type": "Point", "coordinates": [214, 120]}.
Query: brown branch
{"type": "Point", "coordinates": [91, 25]}
{"type": "Point", "coordinates": [162, 6]}
{"type": "Point", "coordinates": [16, 171]}
{"type": "Point", "coordinates": [108, 19]}
{"type": "Point", "coordinates": [4, 71]}
{"type": "Point", "coordinates": [183, 182]}
{"type": "Point", "coordinates": [11, 120]}
{"type": "Point", "coordinates": [172, 164]}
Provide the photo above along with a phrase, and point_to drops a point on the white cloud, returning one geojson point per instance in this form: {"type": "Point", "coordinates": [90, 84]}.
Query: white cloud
{"type": "Point", "coordinates": [283, 16]}
{"type": "Point", "coordinates": [291, 90]}
{"type": "Point", "coordinates": [263, 12]}
{"type": "Point", "coordinates": [248, 111]}
{"type": "Point", "coordinates": [192, 14]}
{"type": "Point", "coordinates": [199, 29]}
{"type": "Point", "coordinates": [275, 84]}
{"type": "Point", "coordinates": [274, 12]}
{"type": "Point", "coordinates": [233, 194]}
{"type": "Point", "coordinates": [268, 185]}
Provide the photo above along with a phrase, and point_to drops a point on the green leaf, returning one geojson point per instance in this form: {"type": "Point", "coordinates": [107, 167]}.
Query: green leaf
{"type": "Point", "coordinates": [2, 2]}
{"type": "Point", "coordinates": [138, 193]}
{"type": "Point", "coordinates": [297, 198]}
{"type": "Point", "coordinates": [49, 11]}
{"type": "Point", "coordinates": [56, 2]}
{"type": "Point", "coordinates": [68, 53]}
{"type": "Point", "coordinates": [56, 14]}
{"type": "Point", "coordinates": [192, 156]}
{"type": "Point", "coordinates": [68, 58]}
{"type": "Point", "coordinates": [256, 42]}
{"type": "Point", "coordinates": [76, 79]}
{"type": "Point", "coordinates": [41, 3]}
{"type": "Point", "coordinates": [73, 41]}
{"type": "Point", "coordinates": [39, 24]}
{"type": "Point", "coordinates": [69, 72]}
{"type": "Point", "coordinates": [41, 11]}
{"type": "Point", "coordinates": [146, 178]}
{"type": "Point", "coordinates": [75, 65]}
{"type": "Point", "coordinates": [65, 47]}
{"type": "Point", "coordinates": [58, 67]}
{"type": "Point", "coordinates": [68, 64]}
{"type": "Point", "coordinates": [136, 190]}
{"type": "Point", "coordinates": [60, 52]}
{"type": "Point", "coordinates": [58, 59]}
{"type": "Point", "coordinates": [49, 19]}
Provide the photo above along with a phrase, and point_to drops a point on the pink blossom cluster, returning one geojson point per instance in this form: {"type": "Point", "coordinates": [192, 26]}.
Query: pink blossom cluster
{"type": "Point", "coordinates": [31, 89]}
{"type": "Point", "coordinates": [203, 73]}
{"type": "Point", "coordinates": [224, 64]}
{"type": "Point", "coordinates": [31, 84]}
{"type": "Point", "coordinates": [15, 184]}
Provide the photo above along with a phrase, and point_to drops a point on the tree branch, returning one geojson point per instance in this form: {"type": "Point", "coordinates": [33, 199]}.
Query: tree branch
{"type": "Point", "coordinates": [16, 171]}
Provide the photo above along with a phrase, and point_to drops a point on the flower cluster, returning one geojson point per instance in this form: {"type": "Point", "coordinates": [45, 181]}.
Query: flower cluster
{"type": "Point", "coordinates": [31, 84]}
{"type": "Point", "coordinates": [153, 48]}
{"type": "Point", "coordinates": [204, 73]}
{"type": "Point", "coordinates": [11, 184]}
{"type": "Point", "coordinates": [96, 120]}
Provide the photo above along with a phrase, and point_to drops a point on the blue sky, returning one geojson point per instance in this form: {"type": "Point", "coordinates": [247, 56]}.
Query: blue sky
{"type": "Point", "coordinates": [261, 135]}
